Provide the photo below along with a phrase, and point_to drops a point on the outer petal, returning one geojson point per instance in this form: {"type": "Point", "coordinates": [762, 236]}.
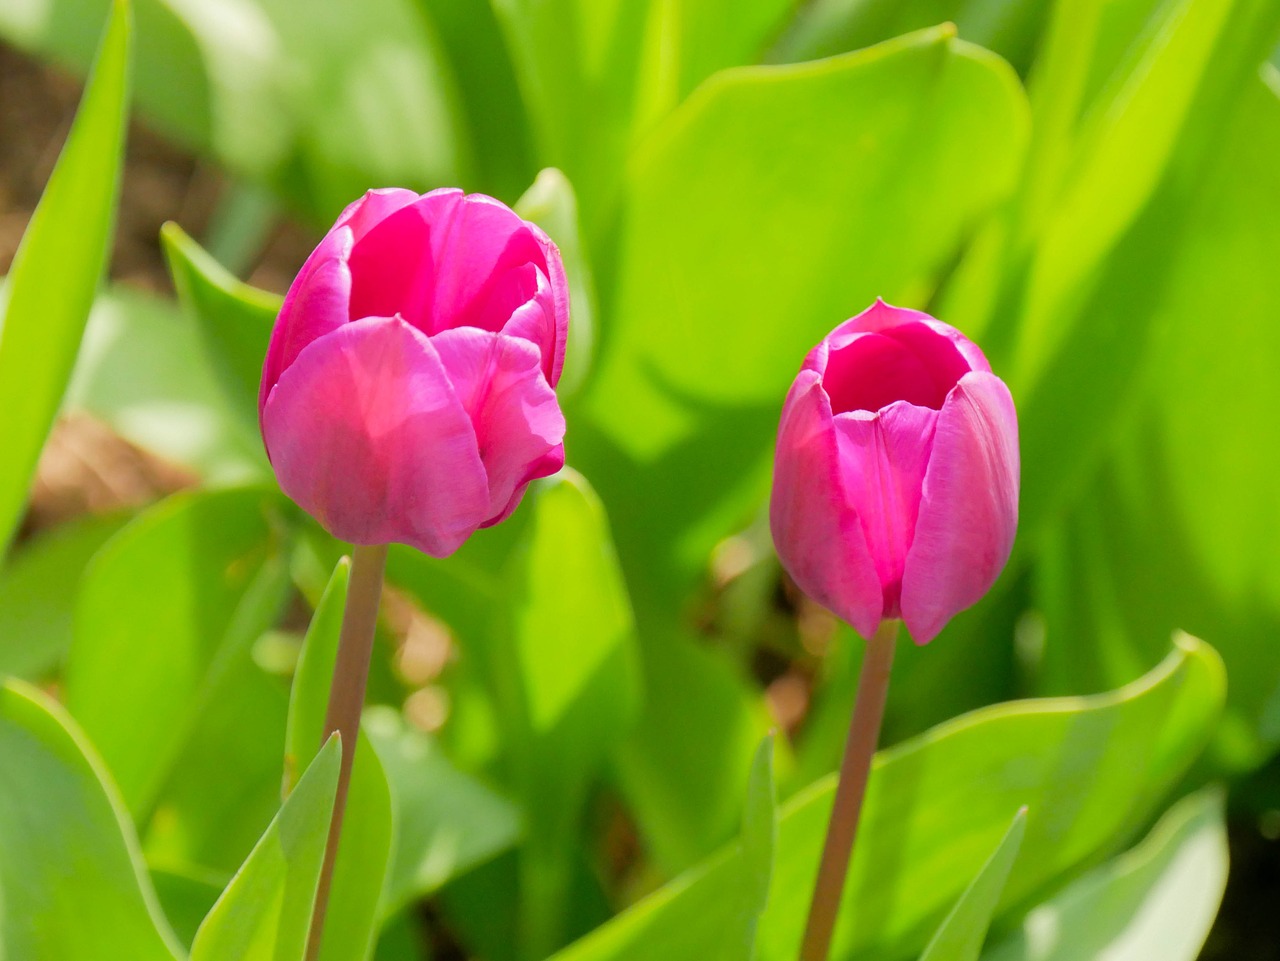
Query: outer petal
{"type": "Point", "coordinates": [375, 206]}
{"type": "Point", "coordinates": [969, 511]}
{"type": "Point", "coordinates": [820, 540]}
{"type": "Point", "coordinates": [517, 420]}
{"type": "Point", "coordinates": [366, 434]}
{"type": "Point", "coordinates": [315, 305]}
{"type": "Point", "coordinates": [883, 457]}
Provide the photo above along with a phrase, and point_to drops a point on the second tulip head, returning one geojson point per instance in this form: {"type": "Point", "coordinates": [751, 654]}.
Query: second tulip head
{"type": "Point", "coordinates": [407, 390]}
{"type": "Point", "coordinates": [896, 474]}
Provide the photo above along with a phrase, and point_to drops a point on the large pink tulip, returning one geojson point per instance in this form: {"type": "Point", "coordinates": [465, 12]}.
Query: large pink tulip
{"type": "Point", "coordinates": [895, 488]}
{"type": "Point", "coordinates": [407, 391]}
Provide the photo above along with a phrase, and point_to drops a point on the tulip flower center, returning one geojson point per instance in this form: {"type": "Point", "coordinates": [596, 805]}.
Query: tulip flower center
{"type": "Point", "coordinates": [912, 362]}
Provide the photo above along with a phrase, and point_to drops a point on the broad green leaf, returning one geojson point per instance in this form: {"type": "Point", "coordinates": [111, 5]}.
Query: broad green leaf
{"type": "Point", "coordinates": [447, 822]}
{"type": "Point", "coordinates": [759, 839]}
{"type": "Point", "coordinates": [938, 805]}
{"type": "Point", "coordinates": [37, 591]}
{"type": "Point", "coordinates": [265, 912]}
{"type": "Point", "coordinates": [72, 883]}
{"type": "Point", "coordinates": [826, 27]}
{"type": "Point", "coordinates": [683, 766]}
{"type": "Point", "coordinates": [961, 935]}
{"type": "Point", "coordinates": [57, 269]}
{"type": "Point", "coordinates": [360, 872]}
{"type": "Point", "coordinates": [234, 318]}
{"type": "Point", "coordinates": [568, 687]}
{"type": "Point", "coordinates": [179, 595]}
{"type": "Point", "coordinates": [1155, 901]}
{"type": "Point", "coordinates": [551, 204]}
{"type": "Point", "coordinates": [145, 371]}
{"type": "Point", "coordinates": [1177, 526]}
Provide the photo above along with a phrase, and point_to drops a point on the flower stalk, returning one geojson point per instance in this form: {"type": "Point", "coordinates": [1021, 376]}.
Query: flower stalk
{"type": "Point", "coordinates": [346, 701]}
{"type": "Point", "coordinates": [855, 769]}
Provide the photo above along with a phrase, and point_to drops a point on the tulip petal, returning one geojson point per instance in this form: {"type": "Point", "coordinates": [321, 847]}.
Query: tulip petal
{"type": "Point", "coordinates": [448, 260]}
{"type": "Point", "coordinates": [535, 320]}
{"type": "Point", "coordinates": [969, 508]}
{"type": "Point", "coordinates": [366, 433]}
{"type": "Point", "coordinates": [518, 423]}
{"type": "Point", "coordinates": [833, 566]}
{"type": "Point", "coordinates": [376, 205]}
{"type": "Point", "coordinates": [883, 458]}
{"type": "Point", "coordinates": [315, 305]}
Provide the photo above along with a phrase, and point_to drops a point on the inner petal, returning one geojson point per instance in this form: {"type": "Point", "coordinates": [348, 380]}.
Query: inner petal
{"type": "Point", "coordinates": [910, 362]}
{"type": "Point", "coordinates": [883, 458]}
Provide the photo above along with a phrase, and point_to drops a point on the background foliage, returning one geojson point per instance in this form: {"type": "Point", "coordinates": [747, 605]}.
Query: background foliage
{"type": "Point", "coordinates": [567, 754]}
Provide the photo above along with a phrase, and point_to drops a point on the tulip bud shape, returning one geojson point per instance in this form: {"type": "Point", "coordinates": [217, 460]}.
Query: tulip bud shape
{"type": "Point", "coordinates": [407, 394]}
{"type": "Point", "coordinates": [895, 488]}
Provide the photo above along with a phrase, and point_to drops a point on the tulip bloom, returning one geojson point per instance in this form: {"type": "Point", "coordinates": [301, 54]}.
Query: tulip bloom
{"type": "Point", "coordinates": [407, 390]}
{"type": "Point", "coordinates": [895, 489]}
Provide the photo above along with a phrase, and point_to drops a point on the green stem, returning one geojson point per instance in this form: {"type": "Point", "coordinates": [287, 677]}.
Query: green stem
{"type": "Point", "coordinates": [346, 700]}
{"type": "Point", "coordinates": [864, 733]}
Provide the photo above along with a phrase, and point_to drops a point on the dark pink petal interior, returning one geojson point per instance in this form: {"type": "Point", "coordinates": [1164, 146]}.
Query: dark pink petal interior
{"type": "Point", "coordinates": [911, 362]}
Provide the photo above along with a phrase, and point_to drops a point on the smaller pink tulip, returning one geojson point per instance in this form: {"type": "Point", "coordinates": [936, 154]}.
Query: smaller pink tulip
{"type": "Point", "coordinates": [407, 391]}
{"type": "Point", "coordinates": [895, 488]}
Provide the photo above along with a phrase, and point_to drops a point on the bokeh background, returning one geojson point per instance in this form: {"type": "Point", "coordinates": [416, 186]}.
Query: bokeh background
{"type": "Point", "coordinates": [1089, 189]}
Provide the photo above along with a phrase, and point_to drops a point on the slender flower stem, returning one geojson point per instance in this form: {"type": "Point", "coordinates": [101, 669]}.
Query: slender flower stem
{"type": "Point", "coordinates": [864, 733]}
{"type": "Point", "coordinates": [346, 699]}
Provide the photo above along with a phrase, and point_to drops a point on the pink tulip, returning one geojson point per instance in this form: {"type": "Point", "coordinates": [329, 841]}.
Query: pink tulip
{"type": "Point", "coordinates": [895, 488]}
{"type": "Point", "coordinates": [407, 390]}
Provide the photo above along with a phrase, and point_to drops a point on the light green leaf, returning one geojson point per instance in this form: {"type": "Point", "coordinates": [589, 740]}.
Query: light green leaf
{"type": "Point", "coordinates": [57, 269]}
{"type": "Point", "coordinates": [37, 590]}
{"type": "Point", "coordinates": [960, 936]}
{"type": "Point", "coordinates": [446, 821]}
{"type": "Point", "coordinates": [234, 318]}
{"type": "Point", "coordinates": [568, 690]}
{"type": "Point", "coordinates": [1156, 901]}
{"type": "Point", "coordinates": [551, 204]}
{"type": "Point", "coordinates": [180, 595]}
{"type": "Point", "coordinates": [265, 913]}
{"type": "Point", "coordinates": [72, 883]}
{"type": "Point", "coordinates": [360, 871]}
{"type": "Point", "coordinates": [144, 370]}
{"type": "Point", "coordinates": [759, 839]}
{"type": "Point", "coordinates": [938, 805]}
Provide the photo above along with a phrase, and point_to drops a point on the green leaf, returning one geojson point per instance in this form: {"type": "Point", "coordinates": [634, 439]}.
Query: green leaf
{"type": "Point", "coordinates": [179, 595]}
{"type": "Point", "coordinates": [569, 689]}
{"type": "Point", "coordinates": [145, 371]}
{"type": "Point", "coordinates": [447, 822]}
{"type": "Point", "coordinates": [759, 839]}
{"type": "Point", "coordinates": [265, 913]}
{"type": "Point", "coordinates": [360, 872]}
{"type": "Point", "coordinates": [187, 899]}
{"type": "Point", "coordinates": [57, 269]}
{"type": "Point", "coordinates": [1155, 901]}
{"type": "Point", "coordinates": [37, 590]}
{"type": "Point", "coordinates": [961, 935]}
{"type": "Point", "coordinates": [551, 204]}
{"type": "Point", "coordinates": [234, 318]}
{"type": "Point", "coordinates": [938, 805]}
{"type": "Point", "coordinates": [73, 884]}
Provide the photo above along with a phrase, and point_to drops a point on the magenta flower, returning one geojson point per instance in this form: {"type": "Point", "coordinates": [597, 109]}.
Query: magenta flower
{"type": "Point", "coordinates": [407, 390]}
{"type": "Point", "coordinates": [895, 488]}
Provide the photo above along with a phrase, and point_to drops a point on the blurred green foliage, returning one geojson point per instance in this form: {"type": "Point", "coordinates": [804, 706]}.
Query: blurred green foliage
{"type": "Point", "coordinates": [1087, 187]}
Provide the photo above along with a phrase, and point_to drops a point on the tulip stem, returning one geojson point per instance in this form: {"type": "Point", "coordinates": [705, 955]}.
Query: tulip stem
{"type": "Point", "coordinates": [864, 733]}
{"type": "Point", "coordinates": [346, 700]}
